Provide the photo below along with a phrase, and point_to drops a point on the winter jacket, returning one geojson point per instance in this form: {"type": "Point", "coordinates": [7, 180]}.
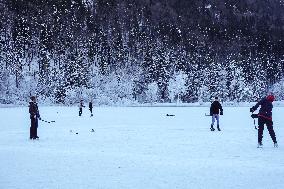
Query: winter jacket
{"type": "Point", "coordinates": [81, 105]}
{"type": "Point", "coordinates": [33, 110]}
{"type": "Point", "coordinates": [265, 110]}
{"type": "Point", "coordinates": [215, 107]}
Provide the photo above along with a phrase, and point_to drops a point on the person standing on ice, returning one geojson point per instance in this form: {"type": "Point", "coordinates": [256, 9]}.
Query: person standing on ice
{"type": "Point", "coordinates": [81, 106]}
{"type": "Point", "coordinates": [91, 107]}
{"type": "Point", "coordinates": [215, 109]}
{"type": "Point", "coordinates": [34, 116]}
{"type": "Point", "coordinates": [265, 117]}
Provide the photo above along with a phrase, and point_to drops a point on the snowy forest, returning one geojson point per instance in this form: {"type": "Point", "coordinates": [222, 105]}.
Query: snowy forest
{"type": "Point", "coordinates": [119, 52]}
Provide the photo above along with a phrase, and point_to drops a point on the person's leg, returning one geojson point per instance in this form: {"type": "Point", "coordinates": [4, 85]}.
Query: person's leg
{"type": "Point", "coordinates": [217, 118]}
{"type": "Point", "coordinates": [212, 123]}
{"type": "Point", "coordinates": [261, 122]}
{"type": "Point", "coordinates": [32, 129]}
{"type": "Point", "coordinates": [31, 132]}
{"type": "Point", "coordinates": [269, 125]}
{"type": "Point", "coordinates": [36, 126]}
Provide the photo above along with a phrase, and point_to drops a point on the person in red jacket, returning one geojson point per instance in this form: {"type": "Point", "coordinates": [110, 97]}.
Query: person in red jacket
{"type": "Point", "coordinates": [215, 110]}
{"type": "Point", "coordinates": [265, 117]}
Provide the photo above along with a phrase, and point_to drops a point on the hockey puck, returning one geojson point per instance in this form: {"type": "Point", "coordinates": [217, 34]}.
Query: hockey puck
{"type": "Point", "coordinates": [76, 133]}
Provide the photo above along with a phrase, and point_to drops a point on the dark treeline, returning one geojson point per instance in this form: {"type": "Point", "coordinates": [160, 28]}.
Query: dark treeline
{"type": "Point", "coordinates": [140, 50]}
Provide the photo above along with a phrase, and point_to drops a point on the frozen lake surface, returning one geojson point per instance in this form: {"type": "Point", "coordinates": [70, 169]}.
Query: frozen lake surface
{"type": "Point", "coordinates": [138, 148]}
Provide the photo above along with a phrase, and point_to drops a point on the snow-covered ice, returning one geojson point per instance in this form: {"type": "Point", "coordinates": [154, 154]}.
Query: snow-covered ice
{"type": "Point", "coordinates": [138, 148]}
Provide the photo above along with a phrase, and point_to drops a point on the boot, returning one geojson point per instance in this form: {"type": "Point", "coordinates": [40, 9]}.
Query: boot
{"type": "Point", "coordinates": [259, 145]}
{"type": "Point", "coordinates": [218, 128]}
{"type": "Point", "coordinates": [275, 145]}
{"type": "Point", "coordinates": [212, 128]}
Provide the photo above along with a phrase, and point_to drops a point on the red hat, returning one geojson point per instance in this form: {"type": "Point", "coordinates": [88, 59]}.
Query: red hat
{"type": "Point", "coordinates": [270, 98]}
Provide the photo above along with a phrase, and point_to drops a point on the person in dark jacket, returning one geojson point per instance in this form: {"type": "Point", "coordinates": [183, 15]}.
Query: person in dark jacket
{"type": "Point", "coordinates": [34, 116]}
{"type": "Point", "coordinates": [91, 107]}
{"type": "Point", "coordinates": [265, 117]}
{"type": "Point", "coordinates": [81, 106]}
{"type": "Point", "coordinates": [215, 110]}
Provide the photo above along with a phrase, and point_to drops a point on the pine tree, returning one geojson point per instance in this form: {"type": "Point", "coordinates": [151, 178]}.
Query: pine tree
{"type": "Point", "coordinates": [177, 86]}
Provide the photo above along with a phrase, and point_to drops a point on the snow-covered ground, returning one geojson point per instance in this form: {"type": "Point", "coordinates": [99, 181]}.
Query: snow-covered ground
{"type": "Point", "coordinates": [138, 148]}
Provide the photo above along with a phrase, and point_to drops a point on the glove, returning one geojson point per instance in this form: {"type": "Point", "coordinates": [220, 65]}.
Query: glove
{"type": "Point", "coordinates": [221, 113]}
{"type": "Point", "coordinates": [251, 110]}
{"type": "Point", "coordinates": [254, 116]}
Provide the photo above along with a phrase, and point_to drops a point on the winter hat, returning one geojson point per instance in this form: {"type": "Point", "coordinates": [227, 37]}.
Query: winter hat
{"type": "Point", "coordinates": [33, 98]}
{"type": "Point", "coordinates": [270, 98]}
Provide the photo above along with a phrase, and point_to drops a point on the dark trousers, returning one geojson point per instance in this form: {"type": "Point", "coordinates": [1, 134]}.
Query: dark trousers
{"type": "Point", "coordinates": [91, 110]}
{"type": "Point", "coordinates": [33, 128]}
{"type": "Point", "coordinates": [80, 111]}
{"type": "Point", "coordinates": [269, 124]}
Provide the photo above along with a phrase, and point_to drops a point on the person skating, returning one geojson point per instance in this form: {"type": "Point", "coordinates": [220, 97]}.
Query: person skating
{"type": "Point", "coordinates": [91, 107]}
{"type": "Point", "coordinates": [215, 110]}
{"type": "Point", "coordinates": [34, 116]}
{"type": "Point", "coordinates": [265, 117]}
{"type": "Point", "coordinates": [81, 106]}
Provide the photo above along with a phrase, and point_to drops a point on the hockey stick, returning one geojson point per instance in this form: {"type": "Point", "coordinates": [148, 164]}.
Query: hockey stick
{"type": "Point", "coordinates": [170, 115]}
{"type": "Point", "coordinates": [254, 124]}
{"type": "Point", "coordinates": [47, 121]}
{"type": "Point", "coordinates": [254, 116]}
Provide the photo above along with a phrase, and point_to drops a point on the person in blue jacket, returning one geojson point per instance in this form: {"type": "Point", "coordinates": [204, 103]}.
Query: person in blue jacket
{"type": "Point", "coordinates": [265, 117]}
{"type": "Point", "coordinates": [34, 116]}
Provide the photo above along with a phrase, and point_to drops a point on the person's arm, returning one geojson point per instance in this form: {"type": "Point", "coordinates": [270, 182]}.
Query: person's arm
{"type": "Point", "coordinates": [221, 109]}
{"type": "Point", "coordinates": [252, 109]}
{"type": "Point", "coordinates": [37, 113]}
{"type": "Point", "coordinates": [32, 111]}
